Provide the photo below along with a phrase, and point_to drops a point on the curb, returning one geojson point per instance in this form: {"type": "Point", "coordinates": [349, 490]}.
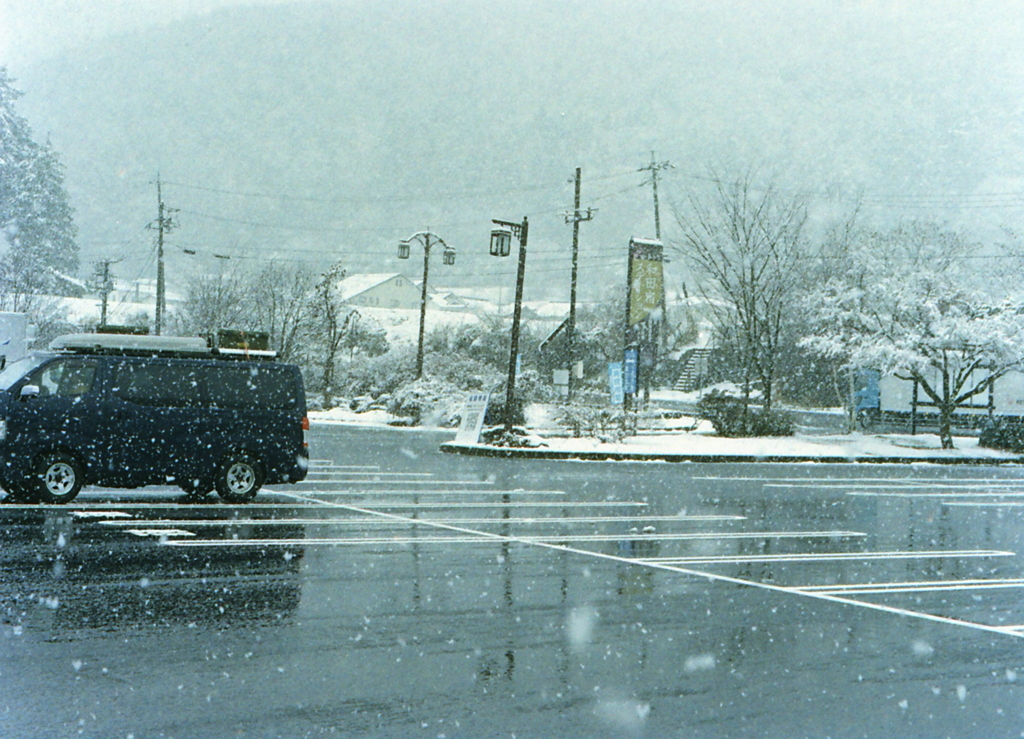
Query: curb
{"type": "Point", "coordinates": [479, 450]}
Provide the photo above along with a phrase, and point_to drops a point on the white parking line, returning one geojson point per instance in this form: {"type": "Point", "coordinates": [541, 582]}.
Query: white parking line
{"type": "Point", "coordinates": [947, 494]}
{"type": "Point", "coordinates": [160, 532]}
{"type": "Point", "coordinates": [496, 504]}
{"type": "Point", "coordinates": [984, 504]}
{"type": "Point", "coordinates": [374, 521]}
{"type": "Point", "coordinates": [831, 557]}
{"type": "Point", "coordinates": [356, 474]}
{"type": "Point", "coordinates": [321, 464]}
{"type": "Point", "coordinates": [900, 488]}
{"type": "Point", "coordinates": [837, 481]}
{"type": "Point", "coordinates": [485, 536]}
{"type": "Point", "coordinates": [374, 541]}
{"type": "Point", "coordinates": [437, 483]}
{"type": "Point", "coordinates": [101, 515]}
{"type": "Point", "coordinates": [700, 536]}
{"type": "Point", "coordinates": [489, 491]}
{"type": "Point", "coordinates": [923, 586]}
{"type": "Point", "coordinates": [475, 538]}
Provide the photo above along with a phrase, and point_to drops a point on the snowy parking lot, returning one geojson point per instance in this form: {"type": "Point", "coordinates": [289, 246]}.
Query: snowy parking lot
{"type": "Point", "coordinates": [399, 590]}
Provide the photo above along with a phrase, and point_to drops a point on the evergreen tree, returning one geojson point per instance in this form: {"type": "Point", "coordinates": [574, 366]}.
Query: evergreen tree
{"type": "Point", "coordinates": [37, 230]}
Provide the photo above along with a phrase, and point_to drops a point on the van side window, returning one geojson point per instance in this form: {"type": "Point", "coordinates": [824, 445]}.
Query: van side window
{"type": "Point", "coordinates": [158, 384]}
{"type": "Point", "coordinates": [68, 378]}
{"type": "Point", "coordinates": [251, 387]}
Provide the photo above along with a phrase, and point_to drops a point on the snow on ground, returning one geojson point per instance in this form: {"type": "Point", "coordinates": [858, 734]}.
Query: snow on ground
{"type": "Point", "coordinates": [851, 446]}
{"type": "Point", "coordinates": [346, 416]}
{"type": "Point", "coordinates": [375, 418]}
{"type": "Point", "coordinates": [689, 436]}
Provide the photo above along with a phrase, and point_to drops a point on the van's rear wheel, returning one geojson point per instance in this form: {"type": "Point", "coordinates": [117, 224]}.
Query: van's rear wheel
{"type": "Point", "coordinates": [239, 478]}
{"type": "Point", "coordinates": [57, 479]}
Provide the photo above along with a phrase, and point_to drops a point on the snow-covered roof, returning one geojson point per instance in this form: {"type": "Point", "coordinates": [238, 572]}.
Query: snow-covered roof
{"type": "Point", "coordinates": [548, 308]}
{"type": "Point", "coordinates": [68, 278]}
{"type": "Point", "coordinates": [402, 324]}
{"type": "Point", "coordinates": [357, 284]}
{"type": "Point", "coordinates": [446, 299]}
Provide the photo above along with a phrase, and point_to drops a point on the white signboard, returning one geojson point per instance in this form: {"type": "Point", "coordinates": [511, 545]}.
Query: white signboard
{"type": "Point", "coordinates": [472, 422]}
{"type": "Point", "coordinates": [1008, 394]}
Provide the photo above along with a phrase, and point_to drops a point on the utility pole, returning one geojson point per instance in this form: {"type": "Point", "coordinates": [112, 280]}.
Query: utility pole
{"type": "Point", "coordinates": [163, 224]}
{"type": "Point", "coordinates": [104, 285]}
{"type": "Point", "coordinates": [570, 329]}
{"type": "Point", "coordinates": [653, 168]}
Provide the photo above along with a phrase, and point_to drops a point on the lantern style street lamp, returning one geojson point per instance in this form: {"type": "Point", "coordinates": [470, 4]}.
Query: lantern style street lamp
{"type": "Point", "coordinates": [426, 239]}
{"type": "Point", "coordinates": [501, 246]}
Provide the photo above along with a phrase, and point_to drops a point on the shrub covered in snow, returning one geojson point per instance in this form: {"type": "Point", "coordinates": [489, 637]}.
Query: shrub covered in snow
{"type": "Point", "coordinates": [1005, 436]}
{"type": "Point", "coordinates": [732, 418]}
{"type": "Point", "coordinates": [600, 422]}
{"type": "Point", "coordinates": [427, 399]}
{"type": "Point", "coordinates": [518, 438]}
{"type": "Point", "coordinates": [375, 376]}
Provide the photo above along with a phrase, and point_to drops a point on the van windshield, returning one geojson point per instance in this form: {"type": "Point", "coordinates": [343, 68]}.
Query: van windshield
{"type": "Point", "coordinates": [16, 370]}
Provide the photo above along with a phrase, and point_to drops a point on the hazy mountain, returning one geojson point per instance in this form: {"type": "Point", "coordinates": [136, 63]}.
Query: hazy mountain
{"type": "Point", "coordinates": [322, 131]}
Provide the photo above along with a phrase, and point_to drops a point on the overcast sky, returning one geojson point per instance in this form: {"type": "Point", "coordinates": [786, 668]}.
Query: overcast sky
{"type": "Point", "coordinates": [914, 102]}
{"type": "Point", "coordinates": [33, 29]}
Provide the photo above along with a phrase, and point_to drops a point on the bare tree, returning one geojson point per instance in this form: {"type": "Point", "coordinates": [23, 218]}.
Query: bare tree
{"type": "Point", "coordinates": [214, 302]}
{"type": "Point", "coordinates": [330, 321]}
{"type": "Point", "coordinates": [282, 300]}
{"type": "Point", "coordinates": [746, 245]}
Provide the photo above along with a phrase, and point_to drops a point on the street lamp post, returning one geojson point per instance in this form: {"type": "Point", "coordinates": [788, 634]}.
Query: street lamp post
{"type": "Point", "coordinates": [501, 246]}
{"type": "Point", "coordinates": [426, 239]}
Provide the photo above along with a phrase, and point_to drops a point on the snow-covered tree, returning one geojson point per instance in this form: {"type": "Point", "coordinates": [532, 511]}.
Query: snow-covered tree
{"type": "Point", "coordinates": [905, 305]}
{"type": "Point", "coordinates": [746, 245]}
{"type": "Point", "coordinates": [36, 218]}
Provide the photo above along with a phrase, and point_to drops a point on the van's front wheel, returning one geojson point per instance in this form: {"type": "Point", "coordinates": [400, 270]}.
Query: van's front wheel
{"type": "Point", "coordinates": [239, 478]}
{"type": "Point", "coordinates": [57, 478]}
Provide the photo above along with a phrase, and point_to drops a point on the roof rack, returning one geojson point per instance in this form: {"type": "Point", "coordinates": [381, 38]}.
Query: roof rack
{"type": "Point", "coordinates": [127, 345]}
{"type": "Point", "coordinates": [130, 345]}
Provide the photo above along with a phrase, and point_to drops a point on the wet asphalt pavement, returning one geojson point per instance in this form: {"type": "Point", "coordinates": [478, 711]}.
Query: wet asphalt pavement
{"type": "Point", "coordinates": [399, 592]}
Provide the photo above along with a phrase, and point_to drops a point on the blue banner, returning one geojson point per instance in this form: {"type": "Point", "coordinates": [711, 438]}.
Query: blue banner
{"type": "Point", "coordinates": [629, 371]}
{"type": "Point", "coordinates": [615, 382]}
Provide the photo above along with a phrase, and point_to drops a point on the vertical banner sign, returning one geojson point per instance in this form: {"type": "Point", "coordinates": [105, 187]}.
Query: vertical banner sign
{"type": "Point", "coordinates": [646, 290]}
{"type": "Point", "coordinates": [632, 357]}
{"type": "Point", "coordinates": [615, 382]}
{"type": "Point", "coordinates": [472, 422]}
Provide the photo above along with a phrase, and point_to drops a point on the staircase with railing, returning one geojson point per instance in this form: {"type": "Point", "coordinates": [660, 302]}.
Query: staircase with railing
{"type": "Point", "coordinates": [695, 369]}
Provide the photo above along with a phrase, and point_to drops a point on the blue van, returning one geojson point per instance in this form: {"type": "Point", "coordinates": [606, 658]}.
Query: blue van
{"type": "Point", "coordinates": [127, 411]}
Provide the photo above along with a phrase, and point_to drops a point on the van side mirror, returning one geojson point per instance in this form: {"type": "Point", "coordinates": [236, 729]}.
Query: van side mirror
{"type": "Point", "coordinates": [29, 391]}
